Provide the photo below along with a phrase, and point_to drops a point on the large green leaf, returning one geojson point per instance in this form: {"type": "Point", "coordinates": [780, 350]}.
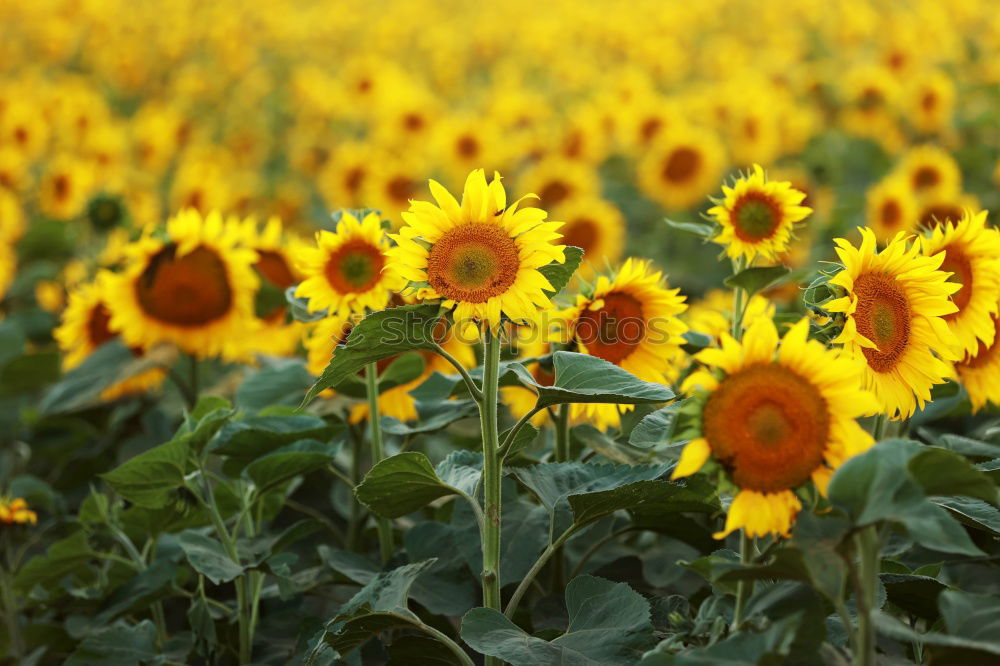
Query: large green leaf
{"type": "Point", "coordinates": [939, 648]}
{"type": "Point", "coordinates": [281, 384]}
{"type": "Point", "coordinates": [401, 370]}
{"type": "Point", "coordinates": [244, 441]}
{"type": "Point", "coordinates": [433, 416]}
{"type": "Point", "coordinates": [657, 428]}
{"type": "Point", "coordinates": [380, 335]}
{"type": "Point", "coordinates": [559, 274]}
{"type": "Point", "coordinates": [583, 378]}
{"type": "Point", "coordinates": [609, 623]}
{"type": "Point", "coordinates": [757, 278]}
{"type": "Point", "coordinates": [973, 512]}
{"type": "Point", "coordinates": [661, 497]}
{"type": "Point", "coordinates": [975, 616]}
{"type": "Point", "coordinates": [401, 484]}
{"type": "Point", "coordinates": [208, 557]}
{"type": "Point", "coordinates": [770, 646]}
{"type": "Point", "coordinates": [120, 644]}
{"type": "Point", "coordinates": [700, 229]}
{"type": "Point", "coordinates": [151, 478]}
{"type": "Point", "coordinates": [63, 557]}
{"type": "Point", "coordinates": [943, 472]}
{"type": "Point", "coordinates": [290, 461]}
{"type": "Point", "coordinates": [878, 485]}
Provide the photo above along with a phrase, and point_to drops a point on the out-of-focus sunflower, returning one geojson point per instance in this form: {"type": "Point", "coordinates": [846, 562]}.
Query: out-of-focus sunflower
{"type": "Point", "coordinates": [392, 184]}
{"type": "Point", "coordinates": [194, 288]}
{"type": "Point", "coordinates": [871, 97]}
{"type": "Point", "coordinates": [595, 226]}
{"type": "Point", "coordinates": [347, 269]}
{"type": "Point", "coordinates": [934, 210]}
{"type": "Point", "coordinates": [557, 181]}
{"type": "Point", "coordinates": [24, 128]}
{"type": "Point", "coordinates": [890, 208]}
{"type": "Point", "coordinates": [11, 217]}
{"type": "Point", "coordinates": [930, 101]}
{"type": "Point", "coordinates": [342, 182]}
{"type": "Point", "coordinates": [14, 175]}
{"type": "Point", "coordinates": [972, 256]}
{"type": "Point", "coordinates": [201, 182]}
{"type": "Point", "coordinates": [481, 256]}
{"type": "Point", "coordinates": [86, 325]}
{"type": "Point", "coordinates": [777, 418]}
{"type": "Point", "coordinates": [894, 305]}
{"type": "Point", "coordinates": [980, 374]}
{"type": "Point", "coordinates": [64, 187]}
{"type": "Point", "coordinates": [930, 171]}
{"type": "Point", "coordinates": [584, 135]}
{"type": "Point", "coordinates": [629, 319]}
{"type": "Point", "coordinates": [684, 165]}
{"type": "Point", "coordinates": [462, 144]}
{"type": "Point", "coordinates": [712, 314]}
{"type": "Point", "coordinates": [758, 216]}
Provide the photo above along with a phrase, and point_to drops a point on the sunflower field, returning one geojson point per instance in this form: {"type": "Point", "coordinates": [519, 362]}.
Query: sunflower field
{"type": "Point", "coordinates": [433, 332]}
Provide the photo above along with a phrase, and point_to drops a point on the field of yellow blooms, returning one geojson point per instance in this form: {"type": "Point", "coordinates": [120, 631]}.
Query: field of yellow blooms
{"type": "Point", "coordinates": [432, 332]}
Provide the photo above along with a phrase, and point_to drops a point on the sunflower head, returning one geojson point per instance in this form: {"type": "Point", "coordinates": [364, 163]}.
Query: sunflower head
{"type": "Point", "coordinates": [482, 256]}
{"type": "Point", "coordinates": [893, 305]}
{"type": "Point", "coordinates": [773, 418]}
{"type": "Point", "coordinates": [347, 270]}
{"type": "Point", "coordinates": [891, 208]}
{"type": "Point", "coordinates": [757, 216]}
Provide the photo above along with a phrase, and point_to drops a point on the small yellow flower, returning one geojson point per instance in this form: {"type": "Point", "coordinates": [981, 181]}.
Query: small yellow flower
{"type": "Point", "coordinates": [16, 511]}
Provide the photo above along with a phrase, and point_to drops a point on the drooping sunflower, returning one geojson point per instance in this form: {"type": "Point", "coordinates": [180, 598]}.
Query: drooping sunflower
{"type": "Point", "coordinates": [682, 166]}
{"type": "Point", "coordinates": [481, 257]}
{"type": "Point", "coordinates": [595, 226]}
{"type": "Point", "coordinates": [980, 374]}
{"type": "Point", "coordinates": [890, 208]}
{"type": "Point", "coordinates": [774, 418]}
{"type": "Point", "coordinates": [758, 216]}
{"type": "Point", "coordinates": [194, 288]}
{"type": "Point", "coordinates": [894, 305]}
{"type": "Point", "coordinates": [629, 319]}
{"type": "Point", "coordinates": [86, 325]}
{"type": "Point", "coordinates": [347, 268]}
{"type": "Point", "coordinates": [972, 255]}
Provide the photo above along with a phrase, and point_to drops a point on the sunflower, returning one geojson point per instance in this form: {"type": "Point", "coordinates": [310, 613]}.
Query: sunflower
{"type": "Point", "coordinates": [463, 143]}
{"type": "Point", "coordinates": [945, 208]}
{"type": "Point", "coordinates": [11, 218]}
{"type": "Point", "coordinates": [774, 419]}
{"type": "Point", "coordinates": [894, 305]}
{"type": "Point", "coordinates": [629, 319]}
{"type": "Point", "coordinates": [683, 166]}
{"type": "Point", "coordinates": [195, 288]}
{"type": "Point", "coordinates": [481, 257]}
{"type": "Point", "coordinates": [972, 256]}
{"type": "Point", "coordinates": [558, 181]}
{"type": "Point", "coordinates": [930, 171]}
{"type": "Point", "coordinates": [64, 188]}
{"type": "Point", "coordinates": [980, 374]}
{"type": "Point", "coordinates": [890, 208]}
{"type": "Point", "coordinates": [14, 174]}
{"type": "Point", "coordinates": [342, 181]}
{"type": "Point", "coordinates": [758, 216]}
{"type": "Point", "coordinates": [712, 314]}
{"type": "Point", "coordinates": [347, 268]}
{"type": "Point", "coordinates": [86, 325]}
{"type": "Point", "coordinates": [930, 101]}
{"type": "Point", "coordinates": [595, 226]}
{"type": "Point", "coordinates": [391, 185]}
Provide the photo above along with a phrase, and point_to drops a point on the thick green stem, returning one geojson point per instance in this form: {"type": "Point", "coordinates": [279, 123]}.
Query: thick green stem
{"type": "Point", "coordinates": [878, 427]}
{"type": "Point", "coordinates": [529, 577]}
{"type": "Point", "coordinates": [739, 303]}
{"type": "Point", "coordinates": [867, 545]}
{"type": "Point", "coordinates": [744, 588]}
{"type": "Point", "coordinates": [491, 474]}
{"type": "Point", "coordinates": [383, 525]}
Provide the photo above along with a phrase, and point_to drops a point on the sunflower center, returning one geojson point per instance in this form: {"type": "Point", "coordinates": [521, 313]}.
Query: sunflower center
{"type": "Point", "coordinates": [467, 146]}
{"type": "Point", "coordinates": [939, 214]}
{"type": "Point", "coordinates": [192, 290]}
{"type": "Point", "coordinates": [400, 189]}
{"type": "Point", "coordinates": [582, 233]}
{"type": "Point", "coordinates": [882, 316]}
{"type": "Point", "coordinates": [650, 128]}
{"type": "Point", "coordinates": [768, 425]}
{"type": "Point", "coordinates": [413, 122]}
{"type": "Point", "coordinates": [554, 191]}
{"type": "Point", "coordinates": [60, 187]}
{"type": "Point", "coordinates": [756, 217]}
{"type": "Point", "coordinates": [957, 263]}
{"type": "Point", "coordinates": [891, 213]}
{"type": "Point", "coordinates": [681, 165]}
{"type": "Point", "coordinates": [925, 177]}
{"type": "Point", "coordinates": [473, 262]}
{"type": "Point", "coordinates": [98, 326]}
{"type": "Point", "coordinates": [354, 267]}
{"type": "Point", "coordinates": [274, 268]}
{"type": "Point", "coordinates": [928, 101]}
{"type": "Point", "coordinates": [614, 330]}
{"type": "Point", "coordinates": [353, 178]}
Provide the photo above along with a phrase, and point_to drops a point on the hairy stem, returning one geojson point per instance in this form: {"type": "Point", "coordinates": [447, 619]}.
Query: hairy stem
{"type": "Point", "coordinates": [469, 383]}
{"type": "Point", "coordinates": [867, 545]}
{"type": "Point", "coordinates": [529, 577]}
{"type": "Point", "coordinates": [491, 475]}
{"type": "Point", "coordinates": [378, 454]}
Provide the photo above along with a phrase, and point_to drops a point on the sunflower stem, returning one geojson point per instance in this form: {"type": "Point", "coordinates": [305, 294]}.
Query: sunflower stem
{"type": "Point", "coordinates": [867, 544]}
{"type": "Point", "coordinates": [878, 427]}
{"type": "Point", "coordinates": [562, 433]}
{"type": "Point", "coordinates": [382, 525]}
{"type": "Point", "coordinates": [491, 475]}
{"type": "Point", "coordinates": [739, 303]}
{"type": "Point", "coordinates": [477, 395]}
{"type": "Point", "coordinates": [744, 588]}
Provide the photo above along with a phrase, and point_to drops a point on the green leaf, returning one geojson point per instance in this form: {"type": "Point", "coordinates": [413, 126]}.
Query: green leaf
{"type": "Point", "coordinates": [657, 428]}
{"type": "Point", "coordinates": [151, 478]}
{"type": "Point", "coordinates": [401, 484]}
{"type": "Point", "coordinates": [939, 648]}
{"type": "Point", "coordinates": [208, 558]}
{"type": "Point", "coordinates": [694, 341]}
{"type": "Point", "coordinates": [380, 335]}
{"type": "Point", "coordinates": [581, 378]}
{"type": "Point", "coordinates": [757, 278]}
{"type": "Point", "coordinates": [299, 307]}
{"type": "Point", "coordinates": [699, 229]}
{"type": "Point", "coordinates": [461, 470]}
{"type": "Point", "coordinates": [120, 644]}
{"type": "Point", "coordinates": [139, 592]}
{"type": "Point", "coordinates": [975, 616]}
{"type": "Point", "coordinates": [770, 646]}
{"type": "Point", "coordinates": [422, 650]}
{"type": "Point", "coordinates": [917, 595]}
{"type": "Point", "coordinates": [524, 438]}
{"type": "Point", "coordinates": [609, 623]}
{"type": "Point", "coordinates": [663, 497]}
{"type": "Point", "coordinates": [973, 448]}
{"type": "Point", "coordinates": [972, 512]}
{"type": "Point", "coordinates": [401, 370]}
{"type": "Point", "coordinates": [290, 461]}
{"type": "Point", "coordinates": [62, 557]}
{"type": "Point", "coordinates": [559, 274]}
{"type": "Point", "coordinates": [244, 441]}
{"type": "Point", "coordinates": [943, 472]}
{"type": "Point", "coordinates": [433, 416]}
{"type": "Point", "coordinates": [817, 293]}
{"type": "Point", "coordinates": [12, 341]}
{"type": "Point", "coordinates": [282, 384]}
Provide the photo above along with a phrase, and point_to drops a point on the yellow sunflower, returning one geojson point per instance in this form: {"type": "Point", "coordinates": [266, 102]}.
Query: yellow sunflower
{"type": "Point", "coordinates": [559, 180]}
{"type": "Point", "coordinates": [894, 307]}
{"type": "Point", "coordinates": [595, 226]}
{"type": "Point", "coordinates": [481, 257]}
{"type": "Point", "coordinates": [682, 167]}
{"type": "Point", "coordinates": [972, 256]}
{"type": "Point", "coordinates": [758, 216]}
{"type": "Point", "coordinates": [64, 188]}
{"type": "Point", "coordinates": [931, 101]}
{"type": "Point", "coordinates": [980, 374]}
{"type": "Point", "coordinates": [342, 181]}
{"type": "Point", "coordinates": [712, 314]}
{"type": "Point", "coordinates": [86, 325]}
{"type": "Point", "coordinates": [631, 320]}
{"type": "Point", "coordinates": [347, 268]}
{"type": "Point", "coordinates": [930, 171]}
{"type": "Point", "coordinates": [195, 288]}
{"type": "Point", "coordinates": [890, 208]}
{"type": "Point", "coordinates": [777, 417]}
{"type": "Point", "coordinates": [945, 208]}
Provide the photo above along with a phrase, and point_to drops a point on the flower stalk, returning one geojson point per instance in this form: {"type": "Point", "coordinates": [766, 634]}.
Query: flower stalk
{"type": "Point", "coordinates": [382, 525]}
{"type": "Point", "coordinates": [491, 472]}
